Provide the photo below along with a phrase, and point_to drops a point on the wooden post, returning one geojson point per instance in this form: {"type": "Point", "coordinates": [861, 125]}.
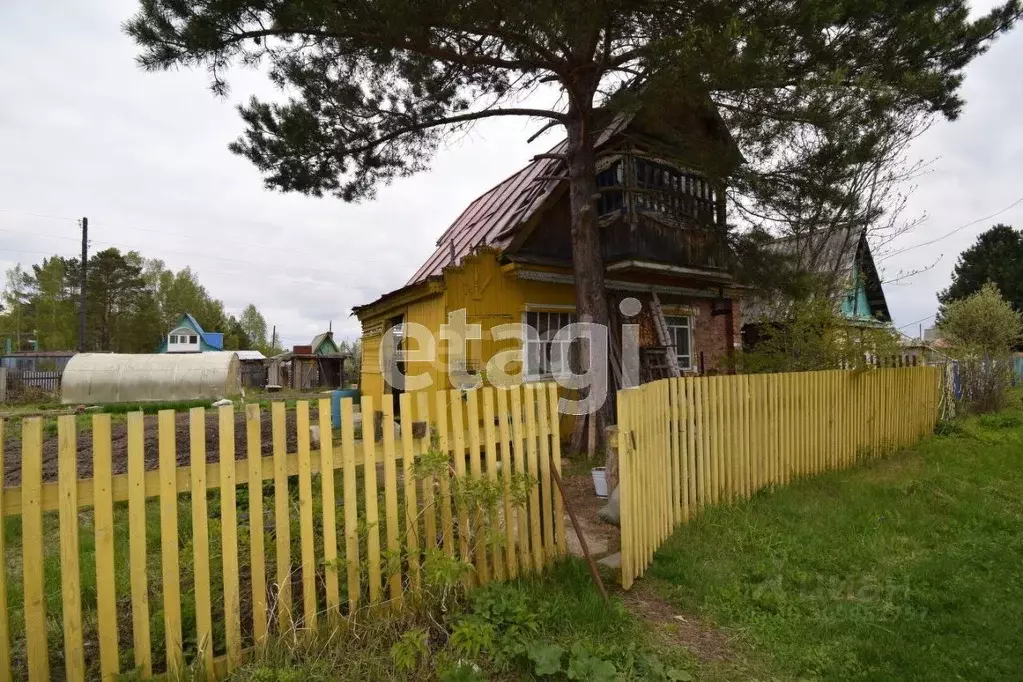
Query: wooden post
{"type": "Point", "coordinates": [611, 466]}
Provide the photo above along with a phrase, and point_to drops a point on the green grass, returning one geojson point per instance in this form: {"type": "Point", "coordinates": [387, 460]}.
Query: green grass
{"type": "Point", "coordinates": [904, 568]}
{"type": "Point", "coordinates": [496, 634]}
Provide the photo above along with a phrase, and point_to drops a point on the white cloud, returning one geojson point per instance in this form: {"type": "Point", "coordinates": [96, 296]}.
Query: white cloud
{"type": "Point", "coordinates": [83, 131]}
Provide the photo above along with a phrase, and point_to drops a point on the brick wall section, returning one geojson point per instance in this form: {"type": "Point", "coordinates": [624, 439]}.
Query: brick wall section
{"type": "Point", "coordinates": [710, 333]}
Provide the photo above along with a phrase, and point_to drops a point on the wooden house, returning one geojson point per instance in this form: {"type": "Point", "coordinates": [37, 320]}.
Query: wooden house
{"type": "Point", "coordinates": [319, 364]}
{"type": "Point", "coordinates": [508, 256]}
{"type": "Point", "coordinates": [843, 263]}
{"type": "Point", "coordinates": [187, 336]}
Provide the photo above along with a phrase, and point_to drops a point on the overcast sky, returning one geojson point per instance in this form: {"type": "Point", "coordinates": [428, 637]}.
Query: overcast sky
{"type": "Point", "coordinates": [83, 132]}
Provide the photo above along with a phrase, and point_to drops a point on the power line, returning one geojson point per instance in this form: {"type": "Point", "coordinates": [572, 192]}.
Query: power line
{"type": "Point", "coordinates": [958, 229]}
{"type": "Point", "coordinates": [206, 239]}
{"type": "Point", "coordinates": [193, 254]}
{"type": "Point", "coordinates": [922, 319]}
{"type": "Point", "coordinates": [308, 282]}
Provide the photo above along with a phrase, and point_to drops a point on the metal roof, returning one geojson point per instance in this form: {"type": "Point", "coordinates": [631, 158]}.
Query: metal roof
{"type": "Point", "coordinates": [248, 354]}
{"type": "Point", "coordinates": [495, 217]}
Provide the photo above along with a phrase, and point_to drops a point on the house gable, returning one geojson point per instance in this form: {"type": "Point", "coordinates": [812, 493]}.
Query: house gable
{"type": "Point", "coordinates": [188, 336]}
{"type": "Point", "coordinates": [323, 344]}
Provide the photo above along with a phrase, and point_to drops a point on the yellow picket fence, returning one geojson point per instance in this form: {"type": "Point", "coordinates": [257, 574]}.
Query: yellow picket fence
{"type": "Point", "coordinates": [168, 568]}
{"type": "Point", "coordinates": [692, 442]}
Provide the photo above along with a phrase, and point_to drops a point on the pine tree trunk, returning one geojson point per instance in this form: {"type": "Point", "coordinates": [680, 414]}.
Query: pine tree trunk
{"type": "Point", "coordinates": [587, 259]}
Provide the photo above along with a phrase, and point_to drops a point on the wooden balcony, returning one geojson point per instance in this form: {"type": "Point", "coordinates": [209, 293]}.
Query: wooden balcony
{"type": "Point", "coordinates": [650, 241]}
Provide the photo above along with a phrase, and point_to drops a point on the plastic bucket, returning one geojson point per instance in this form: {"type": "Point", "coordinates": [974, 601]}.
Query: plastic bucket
{"type": "Point", "coordinates": [599, 481]}
{"type": "Point", "coordinates": [335, 403]}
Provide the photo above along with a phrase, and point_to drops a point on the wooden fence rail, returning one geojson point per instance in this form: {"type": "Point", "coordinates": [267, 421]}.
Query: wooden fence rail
{"type": "Point", "coordinates": [692, 442]}
{"type": "Point", "coordinates": [181, 567]}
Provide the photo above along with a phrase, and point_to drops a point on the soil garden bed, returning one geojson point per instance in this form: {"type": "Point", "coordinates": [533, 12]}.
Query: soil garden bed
{"type": "Point", "coordinates": [119, 443]}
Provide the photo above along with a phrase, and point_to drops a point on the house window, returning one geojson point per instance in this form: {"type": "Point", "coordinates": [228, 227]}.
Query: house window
{"type": "Point", "coordinates": [193, 339]}
{"type": "Point", "coordinates": [680, 328]}
{"type": "Point", "coordinates": [542, 352]}
{"type": "Point", "coordinates": [173, 339]}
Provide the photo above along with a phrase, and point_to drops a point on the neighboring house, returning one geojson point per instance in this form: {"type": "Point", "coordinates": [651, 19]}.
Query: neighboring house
{"type": "Point", "coordinates": [251, 368]}
{"type": "Point", "coordinates": [842, 260]}
{"type": "Point", "coordinates": [324, 344]}
{"type": "Point", "coordinates": [914, 351]}
{"type": "Point", "coordinates": [186, 336]}
{"type": "Point", "coordinates": [508, 256]}
{"type": "Point", "coordinates": [318, 365]}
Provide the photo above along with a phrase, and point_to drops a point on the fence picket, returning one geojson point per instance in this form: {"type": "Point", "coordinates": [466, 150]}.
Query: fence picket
{"type": "Point", "coordinates": [546, 494]}
{"type": "Point", "coordinates": [257, 547]}
{"type": "Point", "coordinates": [305, 515]}
{"type": "Point", "coordinates": [32, 548]}
{"type": "Point", "coordinates": [103, 504]}
{"type": "Point", "coordinates": [200, 537]}
{"type": "Point", "coordinates": [625, 486]}
{"type": "Point", "coordinates": [429, 498]}
{"type": "Point", "coordinates": [559, 503]}
{"type": "Point", "coordinates": [70, 590]}
{"type": "Point", "coordinates": [529, 405]}
{"type": "Point", "coordinates": [169, 543]}
{"type": "Point", "coordinates": [732, 435]}
{"type": "Point", "coordinates": [282, 516]}
{"type": "Point", "coordinates": [677, 427]}
{"type": "Point", "coordinates": [700, 419]}
{"type": "Point", "coordinates": [519, 453]}
{"type": "Point", "coordinates": [327, 495]}
{"type": "Point", "coordinates": [408, 451]}
{"type": "Point", "coordinates": [141, 642]}
{"type": "Point", "coordinates": [444, 478]}
{"type": "Point", "coordinates": [475, 472]}
{"type": "Point", "coordinates": [229, 538]}
{"type": "Point", "coordinates": [490, 438]}
{"type": "Point", "coordinates": [370, 491]}
{"type": "Point", "coordinates": [459, 477]}
{"type": "Point", "coordinates": [507, 469]}
{"type": "Point", "coordinates": [664, 483]}
{"type": "Point", "coordinates": [350, 502]}
{"type": "Point", "coordinates": [691, 455]}
{"type": "Point", "coordinates": [391, 501]}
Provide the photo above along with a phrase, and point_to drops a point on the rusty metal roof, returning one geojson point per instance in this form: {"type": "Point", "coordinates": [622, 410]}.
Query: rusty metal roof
{"type": "Point", "coordinates": [494, 218]}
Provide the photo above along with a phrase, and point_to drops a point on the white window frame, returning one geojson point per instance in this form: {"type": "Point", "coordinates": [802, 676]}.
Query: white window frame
{"type": "Point", "coordinates": [685, 361]}
{"type": "Point", "coordinates": [562, 316]}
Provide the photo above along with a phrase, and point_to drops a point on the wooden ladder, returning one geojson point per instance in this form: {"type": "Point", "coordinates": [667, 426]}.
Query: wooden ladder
{"type": "Point", "coordinates": [661, 325]}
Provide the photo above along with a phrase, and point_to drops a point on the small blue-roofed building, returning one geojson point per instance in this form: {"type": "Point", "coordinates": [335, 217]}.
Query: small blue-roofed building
{"type": "Point", "coordinates": [187, 336]}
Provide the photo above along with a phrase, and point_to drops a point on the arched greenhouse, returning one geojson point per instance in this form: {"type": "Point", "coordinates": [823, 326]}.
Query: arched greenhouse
{"type": "Point", "coordinates": [98, 378]}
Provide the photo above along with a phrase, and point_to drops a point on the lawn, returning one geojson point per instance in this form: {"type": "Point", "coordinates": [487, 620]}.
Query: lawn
{"type": "Point", "coordinates": [909, 567]}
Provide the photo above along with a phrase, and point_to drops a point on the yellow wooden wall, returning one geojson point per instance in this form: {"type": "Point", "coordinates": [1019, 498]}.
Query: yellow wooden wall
{"type": "Point", "coordinates": [490, 294]}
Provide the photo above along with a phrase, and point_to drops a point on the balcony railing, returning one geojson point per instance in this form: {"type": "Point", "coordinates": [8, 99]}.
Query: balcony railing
{"type": "Point", "coordinates": [652, 241]}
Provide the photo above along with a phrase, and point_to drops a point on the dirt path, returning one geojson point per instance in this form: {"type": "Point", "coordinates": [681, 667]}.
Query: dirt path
{"type": "Point", "coordinates": [707, 642]}
{"type": "Point", "coordinates": [119, 443]}
{"type": "Point", "coordinates": [602, 538]}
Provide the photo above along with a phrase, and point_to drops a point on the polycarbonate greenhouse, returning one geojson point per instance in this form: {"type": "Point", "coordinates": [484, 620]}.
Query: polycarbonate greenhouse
{"type": "Point", "coordinates": [98, 378]}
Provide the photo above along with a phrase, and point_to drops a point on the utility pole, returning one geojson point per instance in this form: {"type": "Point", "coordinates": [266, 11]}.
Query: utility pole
{"type": "Point", "coordinates": [273, 340]}
{"type": "Point", "coordinates": [85, 260]}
